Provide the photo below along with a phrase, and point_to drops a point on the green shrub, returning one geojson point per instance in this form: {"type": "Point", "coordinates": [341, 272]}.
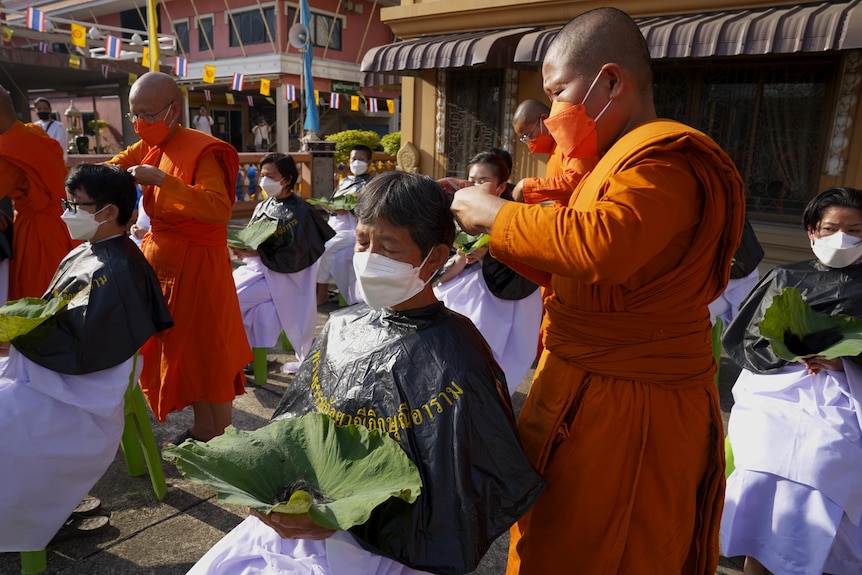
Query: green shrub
{"type": "Point", "coordinates": [391, 143]}
{"type": "Point", "coordinates": [346, 140]}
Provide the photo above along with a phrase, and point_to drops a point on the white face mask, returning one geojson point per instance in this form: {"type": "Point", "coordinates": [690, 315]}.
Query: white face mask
{"type": "Point", "coordinates": [838, 250]}
{"type": "Point", "coordinates": [82, 224]}
{"type": "Point", "coordinates": [384, 282]}
{"type": "Point", "coordinates": [270, 186]}
{"type": "Point", "coordinates": [358, 167]}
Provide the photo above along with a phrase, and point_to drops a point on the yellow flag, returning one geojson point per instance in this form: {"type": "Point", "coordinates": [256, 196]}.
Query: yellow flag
{"type": "Point", "coordinates": [317, 97]}
{"type": "Point", "coordinates": [229, 98]}
{"type": "Point", "coordinates": [74, 61]}
{"type": "Point", "coordinates": [184, 90]}
{"type": "Point", "coordinates": [209, 74]}
{"type": "Point", "coordinates": [390, 105]}
{"type": "Point", "coordinates": [79, 35]}
{"type": "Point", "coordinates": [264, 87]}
{"type": "Point", "coordinates": [6, 33]}
{"type": "Point", "coordinates": [354, 103]}
{"type": "Point", "coordinates": [271, 101]}
{"type": "Point", "coordinates": [145, 61]}
{"type": "Point", "coordinates": [132, 78]}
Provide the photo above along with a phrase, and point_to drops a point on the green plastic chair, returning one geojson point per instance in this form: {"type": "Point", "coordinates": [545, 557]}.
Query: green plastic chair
{"type": "Point", "coordinates": [138, 444]}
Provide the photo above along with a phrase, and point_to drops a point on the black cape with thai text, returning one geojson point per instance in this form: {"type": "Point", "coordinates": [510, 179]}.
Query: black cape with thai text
{"type": "Point", "coordinates": [298, 240]}
{"type": "Point", "coordinates": [827, 290]}
{"type": "Point", "coordinates": [120, 306]}
{"type": "Point", "coordinates": [428, 379]}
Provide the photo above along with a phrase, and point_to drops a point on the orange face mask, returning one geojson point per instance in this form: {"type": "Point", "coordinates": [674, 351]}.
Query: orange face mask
{"type": "Point", "coordinates": [541, 144]}
{"type": "Point", "coordinates": [572, 129]}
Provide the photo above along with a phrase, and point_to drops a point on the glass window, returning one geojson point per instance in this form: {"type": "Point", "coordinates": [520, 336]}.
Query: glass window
{"type": "Point", "coordinates": [251, 28]}
{"type": "Point", "coordinates": [320, 25]}
{"type": "Point", "coordinates": [205, 34]}
{"type": "Point", "coordinates": [769, 117]}
{"type": "Point", "coordinates": [181, 29]}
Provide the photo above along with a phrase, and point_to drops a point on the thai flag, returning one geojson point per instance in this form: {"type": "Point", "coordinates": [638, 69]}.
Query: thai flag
{"type": "Point", "coordinates": [35, 19]}
{"type": "Point", "coordinates": [105, 70]}
{"type": "Point", "coordinates": [181, 67]}
{"type": "Point", "coordinates": [250, 101]}
{"type": "Point", "coordinates": [207, 95]}
{"type": "Point", "coordinates": [372, 104]}
{"type": "Point", "coordinates": [290, 93]}
{"type": "Point", "coordinates": [334, 100]}
{"type": "Point", "coordinates": [43, 47]}
{"type": "Point", "coordinates": [112, 47]}
{"type": "Point", "coordinates": [238, 80]}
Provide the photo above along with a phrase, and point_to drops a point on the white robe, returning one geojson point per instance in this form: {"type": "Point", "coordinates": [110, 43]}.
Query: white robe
{"type": "Point", "coordinates": [726, 305]}
{"type": "Point", "coordinates": [794, 500]}
{"type": "Point", "coordinates": [511, 327]}
{"type": "Point", "coordinates": [271, 302]}
{"type": "Point", "coordinates": [336, 263]}
{"type": "Point", "coordinates": [253, 548]}
{"type": "Point", "coordinates": [60, 433]}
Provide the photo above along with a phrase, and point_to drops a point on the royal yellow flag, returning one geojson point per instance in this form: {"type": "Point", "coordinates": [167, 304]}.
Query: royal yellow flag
{"type": "Point", "coordinates": [354, 103]}
{"type": "Point", "coordinates": [145, 61]}
{"type": "Point", "coordinates": [264, 87]}
{"type": "Point", "coordinates": [74, 61]}
{"type": "Point", "coordinates": [79, 35]}
{"type": "Point", "coordinates": [229, 98]}
{"type": "Point", "coordinates": [390, 105]}
{"type": "Point", "coordinates": [6, 33]}
{"type": "Point", "coordinates": [132, 78]}
{"type": "Point", "coordinates": [184, 90]}
{"type": "Point", "coordinates": [209, 74]}
{"type": "Point", "coordinates": [317, 97]}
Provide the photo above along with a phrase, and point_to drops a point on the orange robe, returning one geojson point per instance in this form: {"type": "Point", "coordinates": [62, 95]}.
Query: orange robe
{"type": "Point", "coordinates": [562, 176]}
{"type": "Point", "coordinates": [202, 356]}
{"type": "Point", "coordinates": [623, 418]}
{"type": "Point", "coordinates": [32, 172]}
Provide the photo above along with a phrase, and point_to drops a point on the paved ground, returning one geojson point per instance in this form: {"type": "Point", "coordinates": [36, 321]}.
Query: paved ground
{"type": "Point", "coordinates": [166, 538]}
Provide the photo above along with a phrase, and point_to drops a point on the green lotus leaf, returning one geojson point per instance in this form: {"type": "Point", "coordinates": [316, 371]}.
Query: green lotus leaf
{"type": "Point", "coordinates": [796, 331]}
{"type": "Point", "coordinates": [251, 236]}
{"type": "Point", "coordinates": [343, 202]}
{"type": "Point", "coordinates": [468, 244]}
{"type": "Point", "coordinates": [338, 474]}
{"type": "Point", "coordinates": [21, 316]}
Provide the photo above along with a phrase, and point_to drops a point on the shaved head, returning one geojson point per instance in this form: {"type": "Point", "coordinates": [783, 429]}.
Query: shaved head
{"type": "Point", "coordinates": [529, 112]}
{"type": "Point", "coordinates": [600, 36]}
{"type": "Point", "coordinates": [156, 97]}
{"type": "Point", "coordinates": [156, 84]}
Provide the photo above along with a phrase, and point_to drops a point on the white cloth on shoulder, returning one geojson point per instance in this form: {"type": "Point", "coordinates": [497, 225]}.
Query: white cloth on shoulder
{"type": "Point", "coordinates": [61, 432]}
{"type": "Point", "coordinates": [511, 327]}
{"type": "Point", "coordinates": [253, 548]}
{"type": "Point", "coordinates": [271, 302]}
{"type": "Point", "coordinates": [726, 305]}
{"type": "Point", "coordinates": [336, 263]}
{"type": "Point", "coordinates": [794, 500]}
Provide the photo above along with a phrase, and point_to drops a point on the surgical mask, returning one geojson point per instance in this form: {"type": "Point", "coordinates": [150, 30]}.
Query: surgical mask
{"type": "Point", "coordinates": [838, 250]}
{"type": "Point", "coordinates": [541, 144]}
{"type": "Point", "coordinates": [44, 116]}
{"type": "Point", "coordinates": [82, 225]}
{"type": "Point", "coordinates": [572, 129]}
{"type": "Point", "coordinates": [153, 133]}
{"type": "Point", "coordinates": [358, 167]}
{"type": "Point", "coordinates": [384, 282]}
{"type": "Point", "coordinates": [270, 186]}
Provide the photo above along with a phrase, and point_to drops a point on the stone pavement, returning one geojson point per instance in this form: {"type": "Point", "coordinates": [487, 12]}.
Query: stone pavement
{"type": "Point", "coordinates": [148, 537]}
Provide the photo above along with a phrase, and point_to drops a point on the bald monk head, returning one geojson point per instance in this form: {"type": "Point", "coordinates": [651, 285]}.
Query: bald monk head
{"type": "Point", "coordinates": [603, 48]}
{"type": "Point", "coordinates": [7, 111]}
{"type": "Point", "coordinates": [528, 117]}
{"type": "Point", "coordinates": [155, 102]}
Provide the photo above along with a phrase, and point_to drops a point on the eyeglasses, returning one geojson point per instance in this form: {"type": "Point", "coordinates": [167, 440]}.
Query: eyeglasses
{"type": "Point", "coordinates": [73, 206]}
{"type": "Point", "coordinates": [151, 118]}
{"type": "Point", "coordinates": [527, 137]}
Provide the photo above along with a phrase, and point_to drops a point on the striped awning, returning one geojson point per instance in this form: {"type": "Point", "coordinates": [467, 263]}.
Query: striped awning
{"type": "Point", "coordinates": [778, 30]}
{"type": "Point", "coordinates": [492, 48]}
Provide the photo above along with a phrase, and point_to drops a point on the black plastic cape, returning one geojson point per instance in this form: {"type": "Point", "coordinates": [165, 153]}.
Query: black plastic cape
{"type": "Point", "coordinates": [504, 282]}
{"type": "Point", "coordinates": [106, 326]}
{"type": "Point", "coordinates": [350, 185]}
{"type": "Point", "coordinates": [827, 290]}
{"type": "Point", "coordinates": [298, 240]}
{"type": "Point", "coordinates": [428, 379]}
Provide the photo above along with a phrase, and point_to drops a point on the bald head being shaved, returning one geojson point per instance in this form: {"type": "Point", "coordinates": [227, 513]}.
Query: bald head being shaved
{"type": "Point", "coordinates": [600, 36]}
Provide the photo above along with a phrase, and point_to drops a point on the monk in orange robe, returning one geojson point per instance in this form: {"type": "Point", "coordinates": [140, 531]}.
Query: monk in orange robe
{"type": "Point", "coordinates": [188, 180]}
{"type": "Point", "coordinates": [623, 418]}
{"type": "Point", "coordinates": [32, 172]}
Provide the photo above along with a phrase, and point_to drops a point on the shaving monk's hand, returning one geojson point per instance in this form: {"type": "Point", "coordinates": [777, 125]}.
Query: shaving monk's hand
{"type": "Point", "coordinates": [476, 207]}
{"type": "Point", "coordinates": [147, 175]}
{"type": "Point", "coordinates": [518, 192]}
{"type": "Point", "coordinates": [294, 526]}
{"type": "Point", "coordinates": [817, 364]}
